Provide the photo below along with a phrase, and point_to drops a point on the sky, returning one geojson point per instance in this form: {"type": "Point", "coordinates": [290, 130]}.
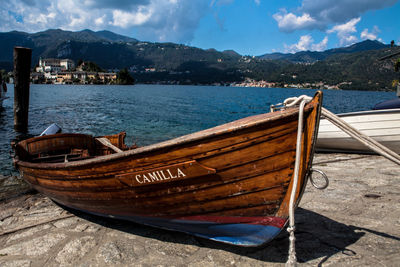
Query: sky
{"type": "Point", "coordinates": [249, 27]}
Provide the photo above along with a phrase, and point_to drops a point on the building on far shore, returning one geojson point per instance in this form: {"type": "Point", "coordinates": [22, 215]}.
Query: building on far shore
{"type": "Point", "coordinates": [55, 65]}
{"type": "Point", "coordinates": [63, 71]}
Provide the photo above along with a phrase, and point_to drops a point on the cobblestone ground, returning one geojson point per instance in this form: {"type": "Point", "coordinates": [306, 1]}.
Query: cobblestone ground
{"type": "Point", "coordinates": [354, 222]}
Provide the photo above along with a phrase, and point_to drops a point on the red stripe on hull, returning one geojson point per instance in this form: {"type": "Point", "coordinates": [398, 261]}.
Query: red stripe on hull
{"type": "Point", "coordinates": [270, 220]}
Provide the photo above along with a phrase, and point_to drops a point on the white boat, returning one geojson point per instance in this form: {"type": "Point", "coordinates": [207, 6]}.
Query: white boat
{"type": "Point", "coordinates": [381, 125]}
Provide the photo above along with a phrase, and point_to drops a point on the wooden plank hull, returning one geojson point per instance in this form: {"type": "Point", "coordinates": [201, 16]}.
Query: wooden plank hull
{"type": "Point", "coordinates": [381, 125]}
{"type": "Point", "coordinates": [230, 183]}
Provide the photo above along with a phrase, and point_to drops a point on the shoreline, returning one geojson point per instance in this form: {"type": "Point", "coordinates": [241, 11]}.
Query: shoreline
{"type": "Point", "coordinates": [238, 85]}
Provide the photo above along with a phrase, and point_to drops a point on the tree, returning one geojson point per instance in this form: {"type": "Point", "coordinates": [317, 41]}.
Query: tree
{"type": "Point", "coordinates": [124, 78]}
{"type": "Point", "coordinates": [89, 66]}
{"type": "Point", "coordinates": [397, 65]}
{"type": "Point", "coordinates": [397, 82]}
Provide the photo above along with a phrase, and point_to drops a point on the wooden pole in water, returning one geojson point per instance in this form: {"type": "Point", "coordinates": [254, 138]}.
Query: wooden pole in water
{"type": "Point", "coordinates": [22, 71]}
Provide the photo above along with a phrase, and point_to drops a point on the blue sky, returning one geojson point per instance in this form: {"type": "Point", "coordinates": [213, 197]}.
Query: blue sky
{"type": "Point", "coordinates": [250, 27]}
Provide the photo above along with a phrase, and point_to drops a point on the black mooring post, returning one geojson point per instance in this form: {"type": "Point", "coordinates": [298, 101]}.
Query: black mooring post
{"type": "Point", "coordinates": [22, 73]}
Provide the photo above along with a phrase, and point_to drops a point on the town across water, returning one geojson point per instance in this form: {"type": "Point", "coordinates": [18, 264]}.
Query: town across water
{"type": "Point", "coordinates": [154, 113]}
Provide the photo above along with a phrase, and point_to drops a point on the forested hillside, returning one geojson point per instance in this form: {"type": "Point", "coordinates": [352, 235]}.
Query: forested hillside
{"type": "Point", "coordinates": [354, 67]}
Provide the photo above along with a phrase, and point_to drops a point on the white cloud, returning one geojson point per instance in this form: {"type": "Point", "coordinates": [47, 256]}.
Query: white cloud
{"type": "Point", "coordinates": [306, 43]}
{"type": "Point", "coordinates": [345, 32]}
{"type": "Point", "coordinates": [171, 21]}
{"type": "Point", "coordinates": [290, 22]}
{"type": "Point", "coordinates": [348, 27]}
{"type": "Point", "coordinates": [128, 19]}
{"type": "Point", "coordinates": [100, 21]}
{"type": "Point", "coordinates": [367, 35]}
{"type": "Point", "coordinates": [258, 2]}
{"type": "Point", "coordinates": [373, 35]}
{"type": "Point", "coordinates": [303, 44]}
{"type": "Point", "coordinates": [320, 46]}
{"type": "Point", "coordinates": [151, 20]}
{"type": "Point", "coordinates": [323, 13]}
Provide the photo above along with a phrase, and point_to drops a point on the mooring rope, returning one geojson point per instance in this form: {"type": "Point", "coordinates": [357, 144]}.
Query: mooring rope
{"type": "Point", "coordinates": [344, 126]}
{"type": "Point", "coordinates": [291, 228]}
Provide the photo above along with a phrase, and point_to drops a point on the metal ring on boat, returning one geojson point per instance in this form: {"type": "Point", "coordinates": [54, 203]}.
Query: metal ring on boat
{"type": "Point", "coordinates": [323, 175]}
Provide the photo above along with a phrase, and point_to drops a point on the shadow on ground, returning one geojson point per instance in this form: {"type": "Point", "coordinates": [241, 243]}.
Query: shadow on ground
{"type": "Point", "coordinates": [317, 236]}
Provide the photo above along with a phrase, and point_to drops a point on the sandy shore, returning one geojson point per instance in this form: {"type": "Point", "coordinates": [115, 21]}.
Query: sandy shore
{"type": "Point", "coordinates": [354, 222]}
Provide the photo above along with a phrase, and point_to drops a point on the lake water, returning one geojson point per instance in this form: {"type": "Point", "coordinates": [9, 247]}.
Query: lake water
{"type": "Point", "coordinates": [154, 113]}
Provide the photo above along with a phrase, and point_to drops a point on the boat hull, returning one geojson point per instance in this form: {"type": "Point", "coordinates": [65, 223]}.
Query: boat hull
{"type": "Point", "coordinates": [230, 183]}
{"type": "Point", "coordinates": [241, 231]}
{"type": "Point", "coordinates": [381, 125]}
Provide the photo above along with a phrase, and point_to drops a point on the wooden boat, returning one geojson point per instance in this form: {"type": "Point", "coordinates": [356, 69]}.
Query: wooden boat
{"type": "Point", "coordinates": [230, 183]}
{"type": "Point", "coordinates": [381, 125]}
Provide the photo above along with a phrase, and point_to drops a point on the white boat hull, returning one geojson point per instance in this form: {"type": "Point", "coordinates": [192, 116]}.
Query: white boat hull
{"type": "Point", "coordinates": [381, 125]}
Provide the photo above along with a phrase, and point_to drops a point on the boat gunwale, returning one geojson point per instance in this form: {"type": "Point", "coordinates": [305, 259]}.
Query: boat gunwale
{"type": "Point", "coordinates": [222, 129]}
{"type": "Point", "coordinates": [369, 112]}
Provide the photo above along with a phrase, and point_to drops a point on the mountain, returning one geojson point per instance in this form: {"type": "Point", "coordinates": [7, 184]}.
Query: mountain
{"type": "Point", "coordinates": [357, 71]}
{"type": "Point", "coordinates": [108, 49]}
{"type": "Point", "coordinates": [353, 67]}
{"type": "Point", "coordinates": [112, 37]}
{"type": "Point", "coordinates": [359, 47]}
{"type": "Point", "coordinates": [231, 53]}
{"type": "Point", "coordinates": [54, 43]}
{"type": "Point", "coordinates": [57, 36]}
{"type": "Point", "coordinates": [312, 56]}
{"type": "Point", "coordinates": [113, 51]}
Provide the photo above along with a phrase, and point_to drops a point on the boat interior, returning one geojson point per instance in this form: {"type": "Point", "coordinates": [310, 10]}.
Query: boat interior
{"type": "Point", "coordinates": [68, 147]}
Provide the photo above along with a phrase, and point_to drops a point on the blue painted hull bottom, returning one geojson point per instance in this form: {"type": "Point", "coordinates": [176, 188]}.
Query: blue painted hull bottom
{"type": "Point", "coordinates": [241, 234]}
{"type": "Point", "coordinates": [239, 231]}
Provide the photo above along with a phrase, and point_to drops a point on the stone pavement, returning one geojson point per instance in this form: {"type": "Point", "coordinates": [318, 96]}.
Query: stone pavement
{"type": "Point", "coordinates": [354, 222]}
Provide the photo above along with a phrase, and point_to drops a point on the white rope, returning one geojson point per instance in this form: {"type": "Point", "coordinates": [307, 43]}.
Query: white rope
{"type": "Point", "coordinates": [364, 139]}
{"type": "Point", "coordinates": [293, 101]}
{"type": "Point", "coordinates": [292, 250]}
{"type": "Point", "coordinates": [369, 142]}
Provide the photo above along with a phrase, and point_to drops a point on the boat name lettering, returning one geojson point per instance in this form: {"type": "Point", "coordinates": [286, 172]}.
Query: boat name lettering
{"type": "Point", "coordinates": [159, 175]}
